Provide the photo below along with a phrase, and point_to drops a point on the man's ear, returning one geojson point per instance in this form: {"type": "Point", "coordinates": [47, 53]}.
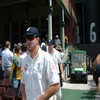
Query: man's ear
{"type": "Point", "coordinates": [38, 39]}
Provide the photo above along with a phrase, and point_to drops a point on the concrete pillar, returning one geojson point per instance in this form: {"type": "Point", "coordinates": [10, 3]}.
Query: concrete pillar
{"type": "Point", "coordinates": [50, 9]}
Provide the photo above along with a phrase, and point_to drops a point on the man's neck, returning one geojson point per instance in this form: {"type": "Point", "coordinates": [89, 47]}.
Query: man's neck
{"type": "Point", "coordinates": [34, 52]}
{"type": "Point", "coordinates": [23, 52]}
{"type": "Point", "coordinates": [51, 51]}
{"type": "Point", "coordinates": [18, 54]}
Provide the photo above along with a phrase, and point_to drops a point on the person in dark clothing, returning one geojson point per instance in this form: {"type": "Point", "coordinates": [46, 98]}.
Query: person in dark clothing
{"type": "Point", "coordinates": [96, 76]}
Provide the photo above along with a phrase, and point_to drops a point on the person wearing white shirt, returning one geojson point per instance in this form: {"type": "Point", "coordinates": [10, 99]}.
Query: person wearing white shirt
{"type": "Point", "coordinates": [7, 56]}
{"type": "Point", "coordinates": [59, 48]}
{"type": "Point", "coordinates": [57, 61]}
{"type": "Point", "coordinates": [0, 49]}
{"type": "Point", "coordinates": [39, 79]}
{"type": "Point", "coordinates": [57, 41]}
{"type": "Point", "coordinates": [43, 42]}
{"type": "Point", "coordinates": [24, 49]}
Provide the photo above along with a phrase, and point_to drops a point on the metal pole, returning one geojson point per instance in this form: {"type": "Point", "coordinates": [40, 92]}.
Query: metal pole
{"type": "Point", "coordinates": [62, 30]}
{"type": "Point", "coordinates": [50, 22]}
{"type": "Point", "coordinates": [83, 22]}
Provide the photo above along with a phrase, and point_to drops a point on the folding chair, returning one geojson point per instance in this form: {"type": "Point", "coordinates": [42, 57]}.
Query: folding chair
{"type": "Point", "coordinates": [5, 83]}
{"type": "Point", "coordinates": [2, 92]}
{"type": "Point", "coordinates": [1, 98]}
{"type": "Point", "coordinates": [11, 94]}
{"type": "Point", "coordinates": [1, 74]}
{"type": "Point", "coordinates": [8, 98]}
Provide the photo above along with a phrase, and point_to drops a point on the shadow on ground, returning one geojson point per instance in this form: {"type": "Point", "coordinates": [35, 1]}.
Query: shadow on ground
{"type": "Point", "coordinates": [69, 94]}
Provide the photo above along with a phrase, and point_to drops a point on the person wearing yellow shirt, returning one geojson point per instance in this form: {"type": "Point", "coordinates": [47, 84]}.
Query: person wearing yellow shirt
{"type": "Point", "coordinates": [16, 70]}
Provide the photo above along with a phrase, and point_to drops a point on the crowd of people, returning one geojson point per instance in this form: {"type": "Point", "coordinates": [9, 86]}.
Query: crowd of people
{"type": "Point", "coordinates": [35, 69]}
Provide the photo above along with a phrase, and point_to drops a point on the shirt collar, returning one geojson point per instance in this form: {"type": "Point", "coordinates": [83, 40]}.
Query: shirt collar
{"type": "Point", "coordinates": [28, 54]}
{"type": "Point", "coordinates": [6, 49]}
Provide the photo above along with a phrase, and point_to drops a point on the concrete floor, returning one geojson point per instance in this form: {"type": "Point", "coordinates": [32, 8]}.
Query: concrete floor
{"type": "Point", "coordinates": [80, 91]}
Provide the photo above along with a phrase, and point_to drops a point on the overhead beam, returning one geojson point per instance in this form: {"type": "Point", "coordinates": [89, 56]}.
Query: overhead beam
{"type": "Point", "coordinates": [10, 2]}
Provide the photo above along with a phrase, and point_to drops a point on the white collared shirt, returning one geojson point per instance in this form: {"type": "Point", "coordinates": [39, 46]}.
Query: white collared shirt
{"type": "Point", "coordinates": [38, 74]}
{"type": "Point", "coordinates": [7, 56]}
{"type": "Point", "coordinates": [21, 58]}
{"type": "Point", "coordinates": [57, 41]}
{"type": "Point", "coordinates": [56, 58]}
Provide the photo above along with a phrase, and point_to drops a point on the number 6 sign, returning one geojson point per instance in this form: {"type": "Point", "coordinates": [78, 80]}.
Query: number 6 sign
{"type": "Point", "coordinates": [92, 34]}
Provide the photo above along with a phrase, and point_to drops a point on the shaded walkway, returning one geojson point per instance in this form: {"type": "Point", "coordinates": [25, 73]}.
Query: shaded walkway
{"type": "Point", "coordinates": [79, 91]}
{"type": "Point", "coordinates": [69, 94]}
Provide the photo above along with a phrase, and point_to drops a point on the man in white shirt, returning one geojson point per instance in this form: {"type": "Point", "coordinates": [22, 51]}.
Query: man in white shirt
{"type": "Point", "coordinates": [39, 78]}
{"type": "Point", "coordinates": [24, 49]}
{"type": "Point", "coordinates": [7, 56]}
{"type": "Point", "coordinates": [57, 41]}
{"type": "Point", "coordinates": [58, 63]}
{"type": "Point", "coordinates": [59, 48]}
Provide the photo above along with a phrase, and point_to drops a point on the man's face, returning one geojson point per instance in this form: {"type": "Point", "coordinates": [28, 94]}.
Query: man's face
{"type": "Point", "coordinates": [56, 37]}
{"type": "Point", "coordinates": [50, 46]}
{"type": "Point", "coordinates": [31, 42]}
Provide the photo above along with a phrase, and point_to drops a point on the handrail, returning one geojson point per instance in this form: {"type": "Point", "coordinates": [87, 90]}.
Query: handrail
{"type": "Point", "coordinates": [77, 49]}
{"type": "Point", "coordinates": [67, 57]}
{"type": "Point", "coordinates": [67, 60]}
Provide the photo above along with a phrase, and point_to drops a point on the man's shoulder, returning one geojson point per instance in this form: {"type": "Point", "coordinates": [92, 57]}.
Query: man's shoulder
{"type": "Point", "coordinates": [11, 52]}
{"type": "Point", "coordinates": [45, 54]}
{"type": "Point", "coordinates": [23, 55]}
{"type": "Point", "coordinates": [15, 57]}
{"type": "Point", "coordinates": [55, 51]}
{"type": "Point", "coordinates": [42, 52]}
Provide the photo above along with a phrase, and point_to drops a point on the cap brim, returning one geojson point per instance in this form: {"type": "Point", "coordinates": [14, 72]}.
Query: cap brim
{"type": "Point", "coordinates": [30, 34]}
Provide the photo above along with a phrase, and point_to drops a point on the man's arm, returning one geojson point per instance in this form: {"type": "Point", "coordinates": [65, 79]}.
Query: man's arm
{"type": "Point", "coordinates": [94, 65]}
{"type": "Point", "coordinates": [96, 62]}
{"type": "Point", "coordinates": [18, 67]}
{"type": "Point", "coordinates": [61, 69]}
{"type": "Point", "coordinates": [23, 92]}
{"type": "Point", "coordinates": [50, 92]}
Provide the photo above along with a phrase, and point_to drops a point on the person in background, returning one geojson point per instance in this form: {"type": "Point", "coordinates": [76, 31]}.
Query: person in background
{"type": "Point", "coordinates": [46, 44]}
{"type": "Point", "coordinates": [0, 55]}
{"type": "Point", "coordinates": [16, 70]}
{"type": "Point", "coordinates": [0, 50]}
{"type": "Point", "coordinates": [21, 58]}
{"type": "Point", "coordinates": [14, 48]}
{"type": "Point", "coordinates": [20, 44]}
{"type": "Point", "coordinates": [66, 41]}
{"type": "Point", "coordinates": [57, 41]}
{"type": "Point", "coordinates": [59, 48]}
{"type": "Point", "coordinates": [58, 63]}
{"type": "Point", "coordinates": [43, 42]}
{"type": "Point", "coordinates": [39, 78]}
{"type": "Point", "coordinates": [24, 49]}
{"type": "Point", "coordinates": [7, 56]}
{"type": "Point", "coordinates": [96, 76]}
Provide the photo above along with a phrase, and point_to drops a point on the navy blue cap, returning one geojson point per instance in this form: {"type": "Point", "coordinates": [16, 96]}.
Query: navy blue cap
{"type": "Point", "coordinates": [50, 42]}
{"type": "Point", "coordinates": [33, 31]}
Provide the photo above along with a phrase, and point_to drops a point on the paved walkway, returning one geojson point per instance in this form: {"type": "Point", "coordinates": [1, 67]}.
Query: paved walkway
{"type": "Point", "coordinates": [80, 91]}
